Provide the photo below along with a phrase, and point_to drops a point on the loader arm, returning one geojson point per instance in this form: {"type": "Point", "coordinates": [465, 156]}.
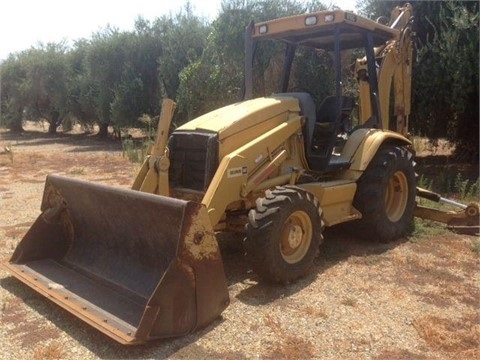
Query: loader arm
{"type": "Point", "coordinates": [153, 175]}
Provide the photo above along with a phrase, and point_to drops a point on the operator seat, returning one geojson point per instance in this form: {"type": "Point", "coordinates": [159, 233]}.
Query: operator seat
{"type": "Point", "coordinates": [320, 132]}
{"type": "Point", "coordinates": [327, 111]}
{"type": "Point", "coordinates": [325, 134]}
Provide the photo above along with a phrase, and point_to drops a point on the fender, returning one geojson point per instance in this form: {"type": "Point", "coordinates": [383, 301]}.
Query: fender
{"type": "Point", "coordinates": [363, 144]}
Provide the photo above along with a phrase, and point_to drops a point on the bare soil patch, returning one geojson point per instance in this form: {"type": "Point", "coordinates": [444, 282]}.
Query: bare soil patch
{"type": "Point", "coordinates": [417, 298]}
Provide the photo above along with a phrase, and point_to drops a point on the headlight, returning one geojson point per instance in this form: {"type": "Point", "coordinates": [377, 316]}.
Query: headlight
{"type": "Point", "coordinates": [263, 29]}
{"type": "Point", "coordinates": [329, 18]}
{"type": "Point", "coordinates": [310, 20]}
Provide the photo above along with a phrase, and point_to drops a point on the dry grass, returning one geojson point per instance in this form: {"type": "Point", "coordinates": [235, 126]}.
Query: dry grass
{"type": "Point", "coordinates": [349, 301]}
{"type": "Point", "coordinates": [423, 147]}
{"type": "Point", "coordinates": [53, 350]}
{"type": "Point", "coordinates": [314, 311]}
{"type": "Point", "coordinates": [459, 337]}
{"type": "Point", "coordinates": [106, 167]}
{"type": "Point", "coordinates": [290, 347]}
{"type": "Point", "coordinates": [399, 355]}
{"type": "Point", "coordinates": [443, 275]}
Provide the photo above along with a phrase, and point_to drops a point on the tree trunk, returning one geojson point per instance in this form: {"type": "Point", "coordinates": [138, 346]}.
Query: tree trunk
{"type": "Point", "coordinates": [52, 128]}
{"type": "Point", "coordinates": [53, 123]}
{"type": "Point", "coordinates": [103, 132]}
{"type": "Point", "coordinates": [16, 127]}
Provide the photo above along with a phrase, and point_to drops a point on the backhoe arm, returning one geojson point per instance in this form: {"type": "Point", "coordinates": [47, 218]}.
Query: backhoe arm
{"type": "Point", "coordinates": [394, 72]}
{"type": "Point", "coordinates": [464, 221]}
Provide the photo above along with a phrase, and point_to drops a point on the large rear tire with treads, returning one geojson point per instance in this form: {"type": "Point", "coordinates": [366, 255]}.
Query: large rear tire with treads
{"type": "Point", "coordinates": [386, 195]}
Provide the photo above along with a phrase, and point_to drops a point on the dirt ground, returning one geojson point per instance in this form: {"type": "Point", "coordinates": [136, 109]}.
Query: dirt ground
{"type": "Point", "coordinates": [416, 298]}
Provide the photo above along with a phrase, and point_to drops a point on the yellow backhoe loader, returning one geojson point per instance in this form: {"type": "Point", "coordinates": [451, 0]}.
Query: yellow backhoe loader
{"type": "Point", "coordinates": [144, 263]}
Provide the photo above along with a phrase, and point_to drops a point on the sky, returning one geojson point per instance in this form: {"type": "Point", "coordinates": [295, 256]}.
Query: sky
{"type": "Point", "coordinates": [27, 23]}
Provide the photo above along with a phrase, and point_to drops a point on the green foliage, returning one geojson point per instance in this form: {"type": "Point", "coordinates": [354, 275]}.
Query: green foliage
{"type": "Point", "coordinates": [83, 90]}
{"type": "Point", "coordinates": [104, 63]}
{"type": "Point", "coordinates": [13, 74]}
{"type": "Point", "coordinates": [453, 183]}
{"type": "Point", "coordinates": [453, 111]}
{"type": "Point", "coordinates": [183, 39]}
{"type": "Point", "coordinates": [216, 78]}
{"type": "Point", "coordinates": [426, 229]}
{"type": "Point", "coordinates": [445, 77]}
{"type": "Point", "coordinates": [127, 98]}
{"type": "Point", "coordinates": [136, 150]}
{"type": "Point", "coordinates": [46, 85]}
{"type": "Point", "coordinates": [312, 72]}
{"type": "Point", "coordinates": [35, 85]}
{"type": "Point", "coordinates": [424, 183]}
{"type": "Point", "coordinates": [117, 79]}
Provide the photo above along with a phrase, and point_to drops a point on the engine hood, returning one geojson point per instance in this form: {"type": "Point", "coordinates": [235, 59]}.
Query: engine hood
{"type": "Point", "coordinates": [240, 117]}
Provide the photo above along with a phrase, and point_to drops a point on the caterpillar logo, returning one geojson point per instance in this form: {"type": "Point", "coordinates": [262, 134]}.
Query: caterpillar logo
{"type": "Point", "coordinates": [239, 171]}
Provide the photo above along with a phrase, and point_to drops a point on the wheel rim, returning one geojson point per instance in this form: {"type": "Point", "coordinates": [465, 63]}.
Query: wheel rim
{"type": "Point", "coordinates": [396, 197]}
{"type": "Point", "coordinates": [296, 237]}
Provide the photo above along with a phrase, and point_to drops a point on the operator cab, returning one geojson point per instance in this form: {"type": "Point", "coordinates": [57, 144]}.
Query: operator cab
{"type": "Point", "coordinates": [327, 43]}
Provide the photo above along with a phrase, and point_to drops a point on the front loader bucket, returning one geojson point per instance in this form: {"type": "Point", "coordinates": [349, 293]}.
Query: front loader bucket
{"type": "Point", "coordinates": [135, 266]}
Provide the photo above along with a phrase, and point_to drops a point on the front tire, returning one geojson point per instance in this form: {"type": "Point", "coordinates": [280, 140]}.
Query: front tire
{"type": "Point", "coordinates": [284, 233]}
{"type": "Point", "coordinates": [386, 195]}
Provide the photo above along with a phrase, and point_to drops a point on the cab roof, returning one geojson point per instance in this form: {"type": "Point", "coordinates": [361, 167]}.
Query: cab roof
{"type": "Point", "coordinates": [317, 30]}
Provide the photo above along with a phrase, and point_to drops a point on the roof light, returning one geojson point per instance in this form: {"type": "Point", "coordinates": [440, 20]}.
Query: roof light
{"type": "Point", "coordinates": [329, 18]}
{"type": "Point", "coordinates": [263, 29]}
{"type": "Point", "coordinates": [310, 20]}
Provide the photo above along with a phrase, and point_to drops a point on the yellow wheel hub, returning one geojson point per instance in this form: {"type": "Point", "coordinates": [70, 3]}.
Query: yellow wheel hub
{"type": "Point", "coordinates": [396, 197]}
{"type": "Point", "coordinates": [296, 237]}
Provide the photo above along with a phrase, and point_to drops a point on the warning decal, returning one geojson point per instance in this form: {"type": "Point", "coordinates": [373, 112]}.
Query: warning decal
{"type": "Point", "coordinates": [239, 171]}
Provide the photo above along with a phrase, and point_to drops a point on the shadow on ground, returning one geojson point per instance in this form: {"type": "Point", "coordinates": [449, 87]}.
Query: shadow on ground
{"type": "Point", "coordinates": [81, 142]}
{"type": "Point", "coordinates": [337, 247]}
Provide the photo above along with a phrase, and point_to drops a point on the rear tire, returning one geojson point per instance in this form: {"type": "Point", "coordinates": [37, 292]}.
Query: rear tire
{"type": "Point", "coordinates": [284, 234]}
{"type": "Point", "coordinates": [386, 195]}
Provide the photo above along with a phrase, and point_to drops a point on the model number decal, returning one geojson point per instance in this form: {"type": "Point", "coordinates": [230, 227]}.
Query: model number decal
{"type": "Point", "coordinates": [239, 171]}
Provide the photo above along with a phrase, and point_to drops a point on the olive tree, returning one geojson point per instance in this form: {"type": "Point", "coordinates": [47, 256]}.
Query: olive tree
{"type": "Point", "coordinates": [44, 90]}
{"type": "Point", "coordinates": [12, 75]}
